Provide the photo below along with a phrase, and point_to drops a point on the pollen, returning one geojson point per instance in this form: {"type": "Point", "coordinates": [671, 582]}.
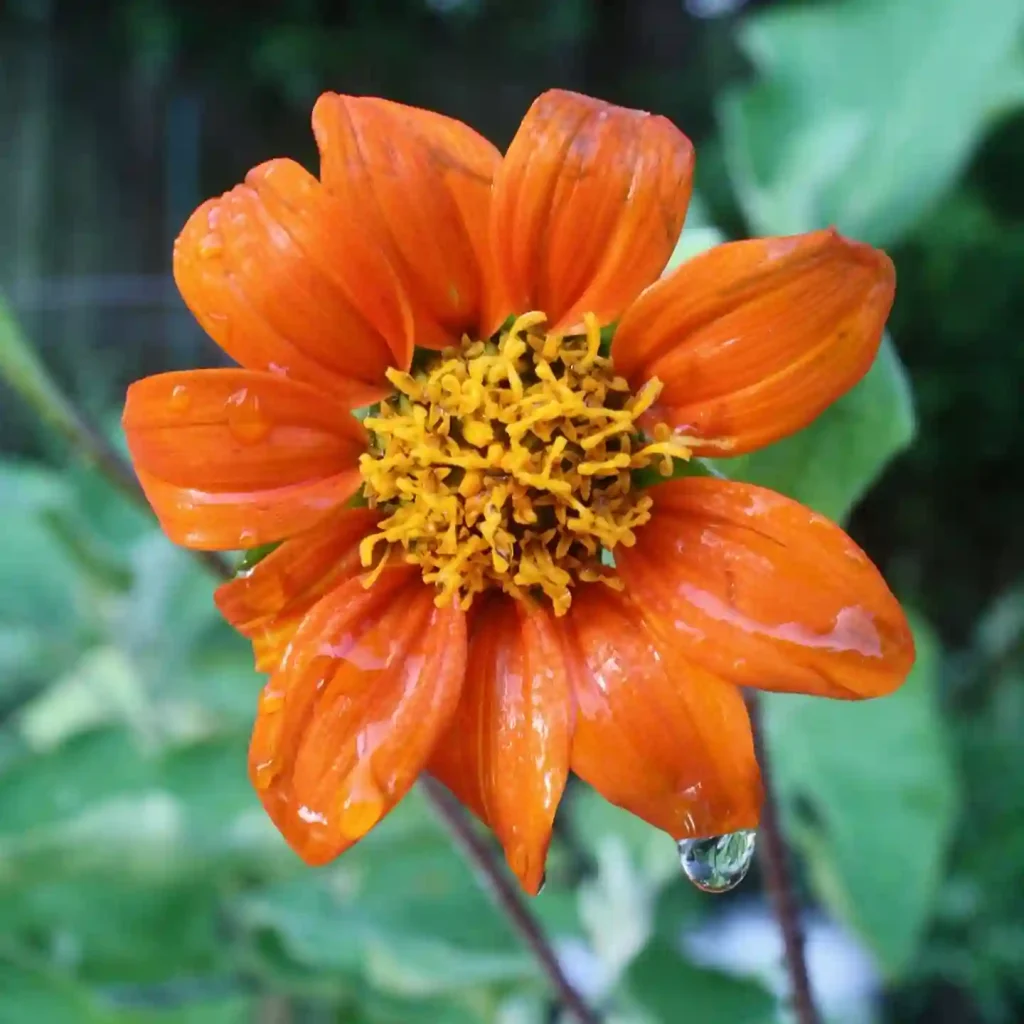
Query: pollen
{"type": "Point", "coordinates": [508, 463]}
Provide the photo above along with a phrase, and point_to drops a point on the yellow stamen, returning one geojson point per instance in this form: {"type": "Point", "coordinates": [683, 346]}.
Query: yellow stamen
{"type": "Point", "coordinates": [507, 464]}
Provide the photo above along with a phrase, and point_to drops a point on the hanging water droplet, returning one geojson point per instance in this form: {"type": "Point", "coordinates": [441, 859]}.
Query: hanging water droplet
{"type": "Point", "coordinates": [718, 863]}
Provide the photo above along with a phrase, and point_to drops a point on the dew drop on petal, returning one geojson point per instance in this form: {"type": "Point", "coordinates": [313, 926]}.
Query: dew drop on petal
{"type": "Point", "coordinates": [210, 246]}
{"type": "Point", "coordinates": [718, 863]}
{"type": "Point", "coordinates": [363, 805]}
{"type": "Point", "coordinates": [270, 700]}
{"type": "Point", "coordinates": [264, 773]}
{"type": "Point", "coordinates": [180, 399]}
{"type": "Point", "coordinates": [245, 417]}
{"type": "Point", "coordinates": [308, 815]}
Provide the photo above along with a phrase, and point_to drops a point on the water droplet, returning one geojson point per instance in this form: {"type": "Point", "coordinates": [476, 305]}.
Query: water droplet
{"type": "Point", "coordinates": [180, 399]}
{"type": "Point", "coordinates": [245, 417]}
{"type": "Point", "coordinates": [247, 538]}
{"type": "Point", "coordinates": [718, 863]}
{"type": "Point", "coordinates": [218, 326]}
{"type": "Point", "coordinates": [363, 804]}
{"type": "Point", "coordinates": [210, 246]}
{"type": "Point", "coordinates": [264, 773]}
{"type": "Point", "coordinates": [270, 701]}
{"type": "Point", "coordinates": [308, 815]}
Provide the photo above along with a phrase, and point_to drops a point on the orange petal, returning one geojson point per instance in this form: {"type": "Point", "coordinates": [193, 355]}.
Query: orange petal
{"type": "Point", "coordinates": [270, 642]}
{"type": "Point", "coordinates": [506, 753]}
{"type": "Point", "coordinates": [345, 726]}
{"type": "Point", "coordinates": [234, 430]}
{"type": "Point", "coordinates": [301, 570]}
{"type": "Point", "coordinates": [422, 182]}
{"type": "Point", "coordinates": [231, 520]}
{"type": "Point", "coordinates": [234, 458]}
{"type": "Point", "coordinates": [269, 601]}
{"type": "Point", "coordinates": [765, 593]}
{"type": "Point", "coordinates": [284, 279]}
{"type": "Point", "coordinates": [752, 340]}
{"type": "Point", "coordinates": [656, 734]}
{"type": "Point", "coordinates": [588, 206]}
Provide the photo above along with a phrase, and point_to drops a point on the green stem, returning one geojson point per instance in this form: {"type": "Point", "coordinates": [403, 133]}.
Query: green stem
{"type": "Point", "coordinates": [27, 375]}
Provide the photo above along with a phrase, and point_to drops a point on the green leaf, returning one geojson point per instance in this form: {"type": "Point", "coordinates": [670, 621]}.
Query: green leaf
{"type": "Point", "coordinates": [169, 610]}
{"type": "Point", "coordinates": [103, 508]}
{"type": "Point", "coordinates": [101, 688]}
{"type": "Point", "coordinates": [39, 584]}
{"type": "Point", "coordinates": [596, 823]}
{"type": "Point", "coordinates": [30, 994]}
{"type": "Point", "coordinates": [672, 990]}
{"type": "Point", "coordinates": [196, 669]}
{"type": "Point", "coordinates": [878, 783]}
{"type": "Point", "coordinates": [649, 476]}
{"type": "Point", "coordinates": [832, 463]}
{"type": "Point", "coordinates": [399, 909]}
{"type": "Point", "coordinates": [376, 1008]}
{"type": "Point", "coordinates": [147, 933]}
{"type": "Point", "coordinates": [101, 803]}
{"type": "Point", "coordinates": [867, 110]}
{"type": "Point", "coordinates": [219, 679]}
{"type": "Point", "coordinates": [253, 556]}
{"type": "Point", "coordinates": [232, 1010]}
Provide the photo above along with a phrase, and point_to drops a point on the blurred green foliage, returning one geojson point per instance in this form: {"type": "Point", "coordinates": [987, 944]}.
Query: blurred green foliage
{"type": "Point", "coordinates": [139, 879]}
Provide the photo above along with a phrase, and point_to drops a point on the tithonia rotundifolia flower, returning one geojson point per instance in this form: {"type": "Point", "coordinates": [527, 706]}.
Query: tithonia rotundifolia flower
{"type": "Point", "coordinates": [469, 579]}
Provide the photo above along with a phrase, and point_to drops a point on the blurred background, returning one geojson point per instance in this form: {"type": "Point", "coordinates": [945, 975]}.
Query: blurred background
{"type": "Point", "coordinates": [139, 880]}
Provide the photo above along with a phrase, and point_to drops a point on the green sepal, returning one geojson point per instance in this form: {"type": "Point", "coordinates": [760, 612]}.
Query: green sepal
{"type": "Point", "coordinates": [423, 359]}
{"type": "Point", "coordinates": [366, 410]}
{"type": "Point", "coordinates": [252, 557]}
{"type": "Point", "coordinates": [509, 321]}
{"type": "Point", "coordinates": [607, 335]}
{"type": "Point", "coordinates": [358, 500]}
{"type": "Point", "coordinates": [650, 477]}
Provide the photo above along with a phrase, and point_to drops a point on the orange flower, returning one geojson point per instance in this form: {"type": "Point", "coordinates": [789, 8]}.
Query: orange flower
{"type": "Point", "coordinates": [505, 605]}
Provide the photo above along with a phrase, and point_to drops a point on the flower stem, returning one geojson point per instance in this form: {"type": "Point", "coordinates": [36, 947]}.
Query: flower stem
{"type": "Point", "coordinates": [775, 861]}
{"type": "Point", "coordinates": [508, 898]}
{"type": "Point", "coordinates": [27, 375]}
{"type": "Point", "coordinates": [23, 370]}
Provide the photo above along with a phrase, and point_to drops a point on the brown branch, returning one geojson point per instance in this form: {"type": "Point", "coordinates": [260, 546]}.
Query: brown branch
{"type": "Point", "coordinates": [774, 857]}
{"type": "Point", "coordinates": [508, 897]}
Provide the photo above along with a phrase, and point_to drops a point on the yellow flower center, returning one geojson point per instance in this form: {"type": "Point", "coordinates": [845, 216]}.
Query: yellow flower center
{"type": "Point", "coordinates": [507, 463]}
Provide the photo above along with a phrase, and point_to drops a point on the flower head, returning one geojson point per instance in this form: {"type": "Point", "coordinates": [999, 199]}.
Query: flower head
{"type": "Point", "coordinates": [504, 604]}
